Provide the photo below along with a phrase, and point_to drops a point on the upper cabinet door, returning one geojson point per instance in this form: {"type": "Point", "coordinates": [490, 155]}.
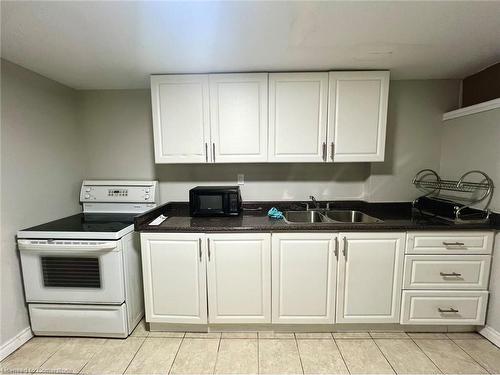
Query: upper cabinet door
{"type": "Point", "coordinates": [357, 116]}
{"type": "Point", "coordinates": [238, 110]}
{"type": "Point", "coordinates": [297, 117]}
{"type": "Point", "coordinates": [181, 120]}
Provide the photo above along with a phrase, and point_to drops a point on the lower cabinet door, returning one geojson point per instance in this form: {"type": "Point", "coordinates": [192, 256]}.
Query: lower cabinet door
{"type": "Point", "coordinates": [174, 273]}
{"type": "Point", "coordinates": [304, 277]}
{"type": "Point", "coordinates": [239, 278]}
{"type": "Point", "coordinates": [370, 277]}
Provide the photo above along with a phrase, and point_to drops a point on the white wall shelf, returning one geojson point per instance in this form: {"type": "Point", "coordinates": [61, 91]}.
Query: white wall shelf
{"type": "Point", "coordinates": [476, 108]}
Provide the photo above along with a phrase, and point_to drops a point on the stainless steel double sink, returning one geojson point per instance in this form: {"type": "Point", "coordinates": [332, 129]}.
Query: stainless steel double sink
{"type": "Point", "coordinates": [328, 216]}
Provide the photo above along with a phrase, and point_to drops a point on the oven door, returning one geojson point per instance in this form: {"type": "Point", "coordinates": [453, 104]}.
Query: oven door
{"type": "Point", "coordinates": [72, 271]}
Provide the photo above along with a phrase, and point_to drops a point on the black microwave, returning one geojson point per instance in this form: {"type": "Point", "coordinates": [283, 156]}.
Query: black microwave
{"type": "Point", "coordinates": [215, 201]}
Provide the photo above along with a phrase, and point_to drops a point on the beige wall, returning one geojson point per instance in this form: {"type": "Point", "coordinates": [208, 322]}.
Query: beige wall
{"type": "Point", "coordinates": [493, 316]}
{"type": "Point", "coordinates": [117, 133]}
{"type": "Point", "coordinates": [414, 131]}
{"type": "Point", "coordinates": [473, 142]}
{"type": "Point", "coordinates": [41, 169]}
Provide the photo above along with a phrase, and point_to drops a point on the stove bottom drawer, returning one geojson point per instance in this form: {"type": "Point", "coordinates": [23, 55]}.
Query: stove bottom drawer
{"type": "Point", "coordinates": [78, 320]}
{"type": "Point", "coordinates": [444, 307]}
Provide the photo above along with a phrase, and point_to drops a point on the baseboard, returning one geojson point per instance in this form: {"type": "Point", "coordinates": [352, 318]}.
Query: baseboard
{"type": "Point", "coordinates": [14, 343]}
{"type": "Point", "coordinates": [491, 334]}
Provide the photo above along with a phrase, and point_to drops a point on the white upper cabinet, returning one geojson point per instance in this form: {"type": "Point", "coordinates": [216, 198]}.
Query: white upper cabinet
{"type": "Point", "coordinates": [357, 116]}
{"type": "Point", "coordinates": [370, 277]}
{"type": "Point", "coordinates": [276, 117]}
{"type": "Point", "coordinates": [239, 278]}
{"type": "Point", "coordinates": [181, 119]}
{"type": "Point", "coordinates": [297, 117]}
{"type": "Point", "coordinates": [238, 110]}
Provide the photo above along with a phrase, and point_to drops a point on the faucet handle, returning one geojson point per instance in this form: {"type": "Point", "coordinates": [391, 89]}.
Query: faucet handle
{"type": "Point", "coordinates": [306, 204]}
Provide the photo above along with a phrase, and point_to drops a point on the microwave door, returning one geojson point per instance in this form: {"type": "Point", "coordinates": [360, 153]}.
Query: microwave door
{"type": "Point", "coordinates": [211, 203]}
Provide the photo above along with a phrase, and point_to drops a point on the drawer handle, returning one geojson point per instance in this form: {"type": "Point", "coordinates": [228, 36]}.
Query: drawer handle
{"type": "Point", "coordinates": [452, 274]}
{"type": "Point", "coordinates": [453, 244]}
{"type": "Point", "coordinates": [450, 310]}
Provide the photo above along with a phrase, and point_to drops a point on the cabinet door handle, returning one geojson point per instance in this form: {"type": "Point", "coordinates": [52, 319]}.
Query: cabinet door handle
{"type": "Point", "coordinates": [199, 248]}
{"type": "Point", "coordinates": [449, 310]}
{"type": "Point", "coordinates": [324, 151]}
{"type": "Point", "coordinates": [452, 274]}
{"type": "Point", "coordinates": [208, 242]}
{"type": "Point", "coordinates": [453, 243]}
{"type": "Point", "coordinates": [213, 152]}
{"type": "Point", "coordinates": [336, 251]}
{"type": "Point", "coordinates": [206, 152]}
{"type": "Point", "coordinates": [333, 149]}
{"type": "Point", "coordinates": [344, 248]}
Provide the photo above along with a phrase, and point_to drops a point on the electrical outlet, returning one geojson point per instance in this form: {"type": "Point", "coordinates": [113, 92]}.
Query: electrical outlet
{"type": "Point", "coordinates": [241, 179]}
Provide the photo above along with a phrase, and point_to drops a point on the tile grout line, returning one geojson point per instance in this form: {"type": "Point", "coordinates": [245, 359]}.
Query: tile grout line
{"type": "Point", "coordinates": [135, 354]}
{"type": "Point", "coordinates": [66, 339]}
{"type": "Point", "coordinates": [258, 354]}
{"type": "Point", "coordinates": [480, 365]}
{"type": "Point", "coordinates": [177, 352]}
{"type": "Point", "coordinates": [423, 351]}
{"type": "Point", "coordinates": [92, 356]}
{"type": "Point", "coordinates": [341, 355]}
{"type": "Point", "coordinates": [383, 355]}
{"type": "Point", "coordinates": [217, 354]}
{"type": "Point", "coordinates": [298, 352]}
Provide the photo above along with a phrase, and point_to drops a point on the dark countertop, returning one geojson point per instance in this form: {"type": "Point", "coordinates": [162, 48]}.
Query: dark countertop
{"type": "Point", "coordinates": [395, 216]}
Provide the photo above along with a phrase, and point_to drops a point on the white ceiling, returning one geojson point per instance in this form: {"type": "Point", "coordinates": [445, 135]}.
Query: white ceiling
{"type": "Point", "coordinates": [104, 45]}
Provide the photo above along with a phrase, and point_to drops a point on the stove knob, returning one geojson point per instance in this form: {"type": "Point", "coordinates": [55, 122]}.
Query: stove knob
{"type": "Point", "coordinates": [146, 191]}
{"type": "Point", "coordinates": [87, 196]}
{"type": "Point", "coordinates": [146, 197]}
{"type": "Point", "coordinates": [87, 189]}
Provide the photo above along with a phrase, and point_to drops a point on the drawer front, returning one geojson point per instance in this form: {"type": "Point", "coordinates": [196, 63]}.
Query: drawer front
{"type": "Point", "coordinates": [444, 307]}
{"type": "Point", "coordinates": [79, 320]}
{"type": "Point", "coordinates": [449, 242]}
{"type": "Point", "coordinates": [446, 271]}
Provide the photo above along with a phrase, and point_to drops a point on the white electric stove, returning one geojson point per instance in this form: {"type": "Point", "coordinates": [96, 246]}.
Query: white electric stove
{"type": "Point", "coordinates": [82, 274]}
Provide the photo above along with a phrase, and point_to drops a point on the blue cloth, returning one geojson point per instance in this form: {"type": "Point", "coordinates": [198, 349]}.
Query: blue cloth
{"type": "Point", "coordinates": [275, 213]}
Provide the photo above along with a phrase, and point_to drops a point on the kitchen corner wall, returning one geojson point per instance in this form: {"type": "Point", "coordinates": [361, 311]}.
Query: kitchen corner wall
{"type": "Point", "coordinates": [41, 172]}
{"type": "Point", "coordinates": [473, 142]}
{"type": "Point", "coordinates": [117, 133]}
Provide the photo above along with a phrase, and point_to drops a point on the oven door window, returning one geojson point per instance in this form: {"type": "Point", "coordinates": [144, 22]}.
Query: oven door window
{"type": "Point", "coordinates": [211, 203]}
{"type": "Point", "coordinates": [71, 272]}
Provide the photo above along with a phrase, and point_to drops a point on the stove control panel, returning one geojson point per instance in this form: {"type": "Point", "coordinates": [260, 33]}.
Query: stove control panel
{"type": "Point", "coordinates": [97, 191]}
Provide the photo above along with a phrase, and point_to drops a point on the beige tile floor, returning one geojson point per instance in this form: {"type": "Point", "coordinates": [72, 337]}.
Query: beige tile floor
{"type": "Point", "coordinates": [147, 352]}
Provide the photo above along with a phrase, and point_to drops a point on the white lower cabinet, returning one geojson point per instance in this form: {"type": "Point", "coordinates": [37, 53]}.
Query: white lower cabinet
{"type": "Point", "coordinates": [314, 278]}
{"type": "Point", "coordinates": [446, 277]}
{"type": "Point", "coordinates": [444, 307]}
{"type": "Point", "coordinates": [304, 277]}
{"type": "Point", "coordinates": [174, 273]}
{"type": "Point", "coordinates": [370, 277]}
{"type": "Point", "coordinates": [239, 278]}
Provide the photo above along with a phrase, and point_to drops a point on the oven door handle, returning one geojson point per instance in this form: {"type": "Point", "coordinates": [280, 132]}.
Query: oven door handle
{"type": "Point", "coordinates": [26, 245]}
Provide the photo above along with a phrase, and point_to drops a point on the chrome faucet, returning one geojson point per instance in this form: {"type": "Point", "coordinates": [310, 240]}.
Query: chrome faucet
{"type": "Point", "coordinates": [314, 202]}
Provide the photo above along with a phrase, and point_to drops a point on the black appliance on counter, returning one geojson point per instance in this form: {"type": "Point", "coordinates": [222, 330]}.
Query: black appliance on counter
{"type": "Point", "coordinates": [215, 201]}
